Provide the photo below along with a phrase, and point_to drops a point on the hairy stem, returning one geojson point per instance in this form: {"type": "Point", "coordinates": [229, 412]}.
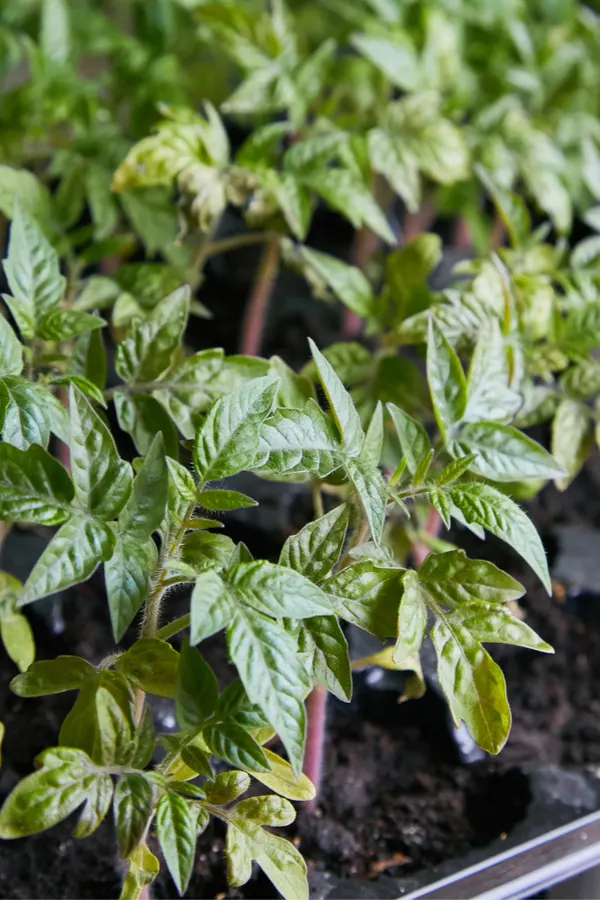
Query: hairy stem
{"type": "Point", "coordinates": [153, 604]}
{"type": "Point", "coordinates": [255, 316]}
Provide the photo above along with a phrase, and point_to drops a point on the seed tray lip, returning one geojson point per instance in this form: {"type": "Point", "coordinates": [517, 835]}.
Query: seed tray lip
{"type": "Point", "coordinates": [525, 869]}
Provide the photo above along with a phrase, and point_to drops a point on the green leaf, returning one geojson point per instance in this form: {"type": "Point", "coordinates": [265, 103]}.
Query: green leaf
{"type": "Point", "coordinates": [55, 31]}
{"type": "Point", "coordinates": [322, 644]}
{"type": "Point", "coordinates": [128, 575]}
{"type": "Point", "coordinates": [101, 720]}
{"type": "Point", "coordinates": [264, 655]}
{"type": "Point", "coordinates": [132, 804]}
{"type": "Point", "coordinates": [489, 396]}
{"type": "Point", "coordinates": [62, 324]}
{"type": "Point", "coordinates": [20, 188]}
{"type": "Point", "coordinates": [149, 351]}
{"type": "Point", "coordinates": [197, 691]}
{"type": "Point", "coordinates": [504, 454]}
{"type": "Point", "coordinates": [395, 57]}
{"type": "Point", "coordinates": [176, 831]}
{"type": "Point", "coordinates": [294, 441]}
{"type": "Point", "coordinates": [102, 480]}
{"type": "Point", "coordinates": [373, 445]}
{"type": "Point", "coordinates": [143, 869]}
{"type": "Point", "coordinates": [86, 387]}
{"type": "Point", "coordinates": [227, 786]}
{"type": "Point", "coordinates": [345, 192]}
{"type": "Point", "coordinates": [190, 386]}
{"type": "Point", "coordinates": [197, 760]}
{"type": "Point", "coordinates": [142, 416]}
{"type": "Point", "coordinates": [34, 487]}
{"type": "Point", "coordinates": [452, 578]}
{"type": "Point", "coordinates": [340, 402]}
{"type": "Point", "coordinates": [72, 555]}
{"type": "Point", "coordinates": [590, 168]}
{"type": "Point", "coordinates": [210, 609]}
{"type": "Point", "coordinates": [52, 676]}
{"type": "Point", "coordinates": [315, 549]}
{"type": "Point", "coordinates": [412, 619]}
{"type": "Point", "coordinates": [203, 549]}
{"type": "Point", "coordinates": [65, 780]}
{"type": "Point", "coordinates": [277, 591]}
{"type": "Point", "coordinates": [267, 810]}
{"type": "Point", "coordinates": [446, 380]}
{"type": "Point", "coordinates": [282, 780]}
{"type": "Point", "coordinates": [473, 684]}
{"type": "Point", "coordinates": [414, 441]}
{"type": "Point", "coordinates": [441, 504]}
{"type": "Point", "coordinates": [145, 508]}
{"type": "Point", "coordinates": [571, 439]}
{"type": "Point", "coordinates": [152, 665]}
{"type": "Point", "coordinates": [231, 742]}
{"type": "Point", "coordinates": [17, 638]}
{"type": "Point", "coordinates": [455, 469]}
{"type": "Point", "coordinates": [33, 273]}
{"type": "Point", "coordinates": [407, 271]}
{"type": "Point", "coordinates": [11, 351]}
{"type": "Point", "coordinates": [367, 595]}
{"type": "Point", "coordinates": [228, 441]}
{"type": "Point", "coordinates": [222, 500]}
{"type": "Point", "coordinates": [144, 740]}
{"type": "Point", "coordinates": [399, 166]}
{"type": "Point", "coordinates": [293, 200]}
{"type": "Point", "coordinates": [483, 505]}
{"type": "Point", "coordinates": [511, 208]}
{"type": "Point", "coordinates": [582, 381]}
{"type": "Point", "coordinates": [370, 487]}
{"type": "Point", "coordinates": [31, 413]}
{"type": "Point", "coordinates": [278, 858]}
{"type": "Point", "coordinates": [88, 359]}
{"type": "Point", "coordinates": [346, 282]}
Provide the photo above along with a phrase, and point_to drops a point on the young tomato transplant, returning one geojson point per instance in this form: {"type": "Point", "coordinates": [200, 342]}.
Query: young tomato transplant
{"type": "Point", "coordinates": [414, 426]}
{"type": "Point", "coordinates": [150, 525]}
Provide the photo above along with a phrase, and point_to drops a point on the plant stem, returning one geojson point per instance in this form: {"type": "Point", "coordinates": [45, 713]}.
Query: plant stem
{"type": "Point", "coordinates": [153, 603]}
{"type": "Point", "coordinates": [420, 550]}
{"type": "Point", "coordinates": [317, 499]}
{"type": "Point", "coordinates": [173, 627]}
{"type": "Point", "coordinates": [316, 717]}
{"type": "Point", "coordinates": [256, 310]}
{"type": "Point", "coordinates": [213, 248]}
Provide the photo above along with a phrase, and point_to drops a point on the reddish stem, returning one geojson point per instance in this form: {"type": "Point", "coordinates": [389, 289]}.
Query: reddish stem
{"type": "Point", "coordinates": [316, 715]}
{"type": "Point", "coordinates": [461, 234]}
{"type": "Point", "coordinates": [433, 526]}
{"type": "Point", "coordinates": [255, 316]}
{"type": "Point", "coordinates": [498, 232]}
{"type": "Point", "coordinates": [62, 450]}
